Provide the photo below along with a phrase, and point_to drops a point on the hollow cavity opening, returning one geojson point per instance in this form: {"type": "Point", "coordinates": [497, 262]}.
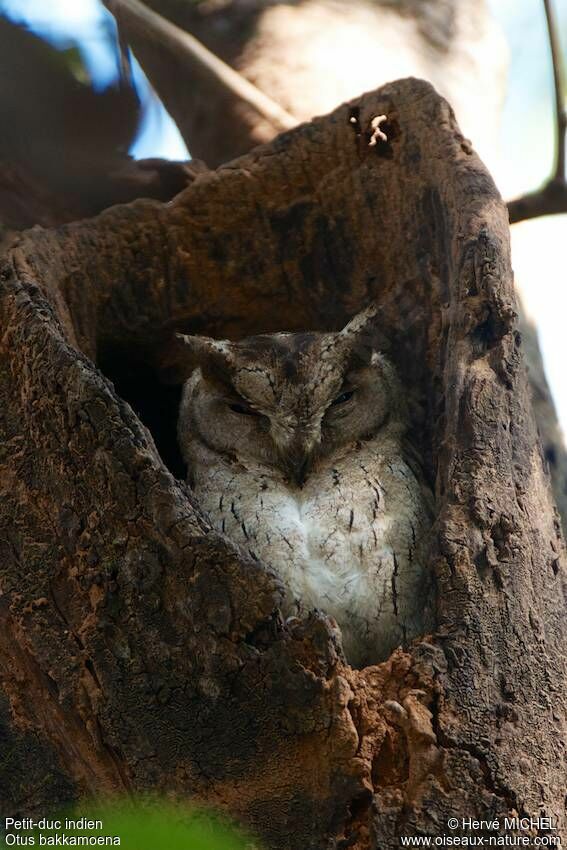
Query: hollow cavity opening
{"type": "Point", "coordinates": [156, 404]}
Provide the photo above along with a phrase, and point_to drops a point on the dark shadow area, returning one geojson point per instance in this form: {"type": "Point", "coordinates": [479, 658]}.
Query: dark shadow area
{"type": "Point", "coordinates": [154, 403]}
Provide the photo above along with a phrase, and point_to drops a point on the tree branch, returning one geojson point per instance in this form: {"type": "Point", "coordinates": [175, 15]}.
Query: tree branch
{"type": "Point", "coordinates": [138, 17]}
{"type": "Point", "coordinates": [551, 199]}
{"type": "Point", "coordinates": [559, 83]}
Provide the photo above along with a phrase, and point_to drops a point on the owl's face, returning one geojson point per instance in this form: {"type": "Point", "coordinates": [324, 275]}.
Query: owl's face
{"type": "Point", "coordinates": [287, 400]}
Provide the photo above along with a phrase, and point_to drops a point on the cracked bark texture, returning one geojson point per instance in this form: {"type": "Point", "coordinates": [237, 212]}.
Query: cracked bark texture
{"type": "Point", "coordinates": [141, 650]}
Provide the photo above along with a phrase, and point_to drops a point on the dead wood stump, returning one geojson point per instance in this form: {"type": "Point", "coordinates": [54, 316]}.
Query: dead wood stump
{"type": "Point", "coordinates": [138, 648]}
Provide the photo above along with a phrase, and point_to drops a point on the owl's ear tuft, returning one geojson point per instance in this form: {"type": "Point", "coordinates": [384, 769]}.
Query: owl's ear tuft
{"type": "Point", "coordinates": [363, 322]}
{"type": "Point", "coordinates": [359, 337]}
{"type": "Point", "coordinates": [202, 347]}
{"type": "Point", "coordinates": [215, 357]}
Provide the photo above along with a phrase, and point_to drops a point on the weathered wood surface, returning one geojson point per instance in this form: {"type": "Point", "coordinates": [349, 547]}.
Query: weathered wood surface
{"type": "Point", "coordinates": [138, 643]}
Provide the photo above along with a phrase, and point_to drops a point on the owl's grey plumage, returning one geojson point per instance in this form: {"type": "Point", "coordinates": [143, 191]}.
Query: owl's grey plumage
{"type": "Point", "coordinates": [296, 447]}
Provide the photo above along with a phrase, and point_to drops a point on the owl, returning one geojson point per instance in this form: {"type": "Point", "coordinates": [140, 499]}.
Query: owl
{"type": "Point", "coordinates": [296, 446]}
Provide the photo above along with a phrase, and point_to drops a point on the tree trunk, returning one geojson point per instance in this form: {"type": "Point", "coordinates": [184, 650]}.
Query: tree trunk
{"type": "Point", "coordinates": [142, 650]}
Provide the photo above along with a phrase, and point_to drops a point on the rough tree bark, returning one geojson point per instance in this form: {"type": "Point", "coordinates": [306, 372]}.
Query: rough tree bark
{"type": "Point", "coordinates": [138, 647]}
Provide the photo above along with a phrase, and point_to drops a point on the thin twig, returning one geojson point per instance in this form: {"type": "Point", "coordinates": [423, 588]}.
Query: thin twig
{"type": "Point", "coordinates": [559, 85]}
{"type": "Point", "coordinates": [552, 197]}
{"type": "Point", "coordinates": [186, 44]}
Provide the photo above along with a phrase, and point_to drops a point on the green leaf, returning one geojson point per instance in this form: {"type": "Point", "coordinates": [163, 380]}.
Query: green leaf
{"type": "Point", "coordinates": [146, 825]}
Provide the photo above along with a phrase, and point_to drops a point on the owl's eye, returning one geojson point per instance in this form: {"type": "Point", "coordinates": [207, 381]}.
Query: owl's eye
{"type": "Point", "coordinates": [343, 397]}
{"type": "Point", "coordinates": [243, 410]}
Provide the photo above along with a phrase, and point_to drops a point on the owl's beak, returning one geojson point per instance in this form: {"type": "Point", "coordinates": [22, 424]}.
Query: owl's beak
{"type": "Point", "coordinates": [301, 468]}
{"type": "Point", "coordinates": [297, 451]}
{"type": "Point", "coordinates": [301, 457]}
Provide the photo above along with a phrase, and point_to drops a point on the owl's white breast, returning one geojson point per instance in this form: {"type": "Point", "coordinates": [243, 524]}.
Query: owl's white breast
{"type": "Point", "coordinates": [348, 542]}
